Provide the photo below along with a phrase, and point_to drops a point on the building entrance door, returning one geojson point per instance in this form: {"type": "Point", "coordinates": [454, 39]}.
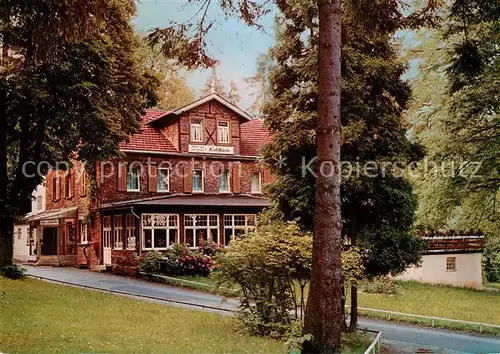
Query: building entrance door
{"type": "Point", "coordinates": [106, 241]}
{"type": "Point", "coordinates": [49, 241]}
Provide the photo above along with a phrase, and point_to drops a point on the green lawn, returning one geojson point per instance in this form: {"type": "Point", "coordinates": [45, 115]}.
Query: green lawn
{"type": "Point", "coordinates": [39, 317]}
{"type": "Point", "coordinates": [440, 301]}
{"type": "Point", "coordinates": [492, 285]}
{"type": "Point", "coordinates": [424, 299]}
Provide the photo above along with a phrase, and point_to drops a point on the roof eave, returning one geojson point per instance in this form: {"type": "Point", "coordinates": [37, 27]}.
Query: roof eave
{"type": "Point", "coordinates": [203, 100]}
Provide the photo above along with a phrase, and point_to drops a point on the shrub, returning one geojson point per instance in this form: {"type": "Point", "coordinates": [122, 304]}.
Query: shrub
{"type": "Point", "coordinates": [210, 248]}
{"type": "Point", "coordinates": [178, 260]}
{"type": "Point", "coordinates": [267, 264]}
{"type": "Point", "coordinates": [491, 261]}
{"type": "Point", "coordinates": [196, 263]}
{"type": "Point", "coordinates": [380, 285]}
{"type": "Point", "coordinates": [150, 263]}
{"type": "Point", "coordinates": [13, 271]}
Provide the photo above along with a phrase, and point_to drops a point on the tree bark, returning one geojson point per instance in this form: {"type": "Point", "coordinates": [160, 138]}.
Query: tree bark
{"type": "Point", "coordinates": [324, 315]}
{"type": "Point", "coordinates": [6, 240]}
{"type": "Point", "coordinates": [353, 322]}
{"type": "Point", "coordinates": [6, 220]}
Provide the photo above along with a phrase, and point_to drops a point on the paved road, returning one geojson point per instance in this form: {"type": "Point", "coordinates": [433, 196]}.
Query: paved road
{"type": "Point", "coordinates": [114, 283]}
{"type": "Point", "coordinates": [400, 338]}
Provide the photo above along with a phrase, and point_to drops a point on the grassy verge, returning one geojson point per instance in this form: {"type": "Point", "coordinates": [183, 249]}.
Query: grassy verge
{"type": "Point", "coordinates": [419, 299]}
{"type": "Point", "coordinates": [39, 317]}
{"type": "Point", "coordinates": [437, 300]}
{"type": "Point", "coordinates": [199, 283]}
{"type": "Point", "coordinates": [493, 285]}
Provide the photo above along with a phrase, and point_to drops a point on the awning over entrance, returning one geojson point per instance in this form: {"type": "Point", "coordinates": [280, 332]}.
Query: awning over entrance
{"type": "Point", "coordinates": [53, 214]}
{"type": "Point", "coordinates": [195, 200]}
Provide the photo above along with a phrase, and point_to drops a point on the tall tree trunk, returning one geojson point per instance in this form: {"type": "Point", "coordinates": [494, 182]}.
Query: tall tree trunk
{"type": "Point", "coordinates": [6, 240]}
{"type": "Point", "coordinates": [6, 220]}
{"type": "Point", "coordinates": [353, 322]}
{"type": "Point", "coordinates": [324, 317]}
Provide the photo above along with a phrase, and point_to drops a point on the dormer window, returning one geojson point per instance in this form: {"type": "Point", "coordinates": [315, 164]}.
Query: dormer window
{"type": "Point", "coordinates": [223, 132]}
{"type": "Point", "coordinates": [196, 130]}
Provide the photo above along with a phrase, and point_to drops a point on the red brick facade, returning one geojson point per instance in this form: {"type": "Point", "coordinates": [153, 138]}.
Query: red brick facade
{"type": "Point", "coordinates": [166, 142]}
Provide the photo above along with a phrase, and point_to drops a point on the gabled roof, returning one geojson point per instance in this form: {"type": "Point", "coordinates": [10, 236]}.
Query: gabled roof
{"type": "Point", "coordinates": [149, 139]}
{"type": "Point", "coordinates": [203, 100]}
{"type": "Point", "coordinates": [253, 136]}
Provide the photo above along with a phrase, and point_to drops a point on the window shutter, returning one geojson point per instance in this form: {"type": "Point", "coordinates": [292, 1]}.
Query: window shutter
{"type": "Point", "coordinates": [83, 182]}
{"type": "Point", "coordinates": [152, 178]}
{"type": "Point", "coordinates": [122, 177]}
{"type": "Point", "coordinates": [268, 176]}
{"type": "Point", "coordinates": [58, 186]}
{"type": "Point", "coordinates": [236, 179]}
{"type": "Point", "coordinates": [63, 184]}
{"type": "Point", "coordinates": [72, 184]}
{"type": "Point", "coordinates": [187, 179]}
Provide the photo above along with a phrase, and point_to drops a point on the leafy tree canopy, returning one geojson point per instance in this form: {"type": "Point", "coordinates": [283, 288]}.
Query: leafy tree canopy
{"type": "Point", "coordinates": [173, 91]}
{"type": "Point", "coordinates": [455, 116]}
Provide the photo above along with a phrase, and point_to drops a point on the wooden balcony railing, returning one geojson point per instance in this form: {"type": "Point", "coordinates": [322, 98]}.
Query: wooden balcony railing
{"type": "Point", "coordinates": [454, 243]}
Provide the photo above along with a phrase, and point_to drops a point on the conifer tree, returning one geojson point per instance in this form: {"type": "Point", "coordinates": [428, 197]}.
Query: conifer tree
{"type": "Point", "coordinates": [233, 96]}
{"type": "Point", "coordinates": [213, 85]}
{"type": "Point", "coordinates": [377, 212]}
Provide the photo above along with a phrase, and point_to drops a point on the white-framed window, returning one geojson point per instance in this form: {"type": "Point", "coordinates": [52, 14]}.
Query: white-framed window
{"type": "Point", "coordinates": [133, 179]}
{"type": "Point", "coordinates": [451, 264]}
{"type": "Point", "coordinates": [224, 182]}
{"type": "Point", "coordinates": [200, 228]}
{"type": "Point", "coordinates": [106, 232]}
{"type": "Point", "coordinates": [118, 232]}
{"type": "Point", "coordinates": [159, 231]}
{"type": "Point", "coordinates": [131, 231]}
{"type": "Point", "coordinates": [197, 181]}
{"type": "Point", "coordinates": [237, 224]}
{"type": "Point", "coordinates": [19, 233]}
{"type": "Point", "coordinates": [255, 182]}
{"type": "Point", "coordinates": [39, 202]}
{"type": "Point", "coordinates": [196, 130]}
{"type": "Point", "coordinates": [163, 180]}
{"type": "Point", "coordinates": [84, 233]}
{"type": "Point", "coordinates": [223, 132]}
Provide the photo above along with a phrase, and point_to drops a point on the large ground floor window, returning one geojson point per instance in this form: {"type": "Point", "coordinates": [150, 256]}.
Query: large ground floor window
{"type": "Point", "coordinates": [200, 228]}
{"type": "Point", "coordinates": [159, 231]}
{"type": "Point", "coordinates": [237, 224]}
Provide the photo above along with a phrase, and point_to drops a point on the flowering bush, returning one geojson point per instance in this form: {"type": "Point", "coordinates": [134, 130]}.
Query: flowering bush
{"type": "Point", "coordinates": [196, 263]}
{"type": "Point", "coordinates": [180, 260]}
{"type": "Point", "coordinates": [209, 248]}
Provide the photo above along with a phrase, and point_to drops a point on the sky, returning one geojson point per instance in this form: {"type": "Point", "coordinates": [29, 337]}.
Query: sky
{"type": "Point", "coordinates": [231, 42]}
{"type": "Point", "coordinates": [235, 45]}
